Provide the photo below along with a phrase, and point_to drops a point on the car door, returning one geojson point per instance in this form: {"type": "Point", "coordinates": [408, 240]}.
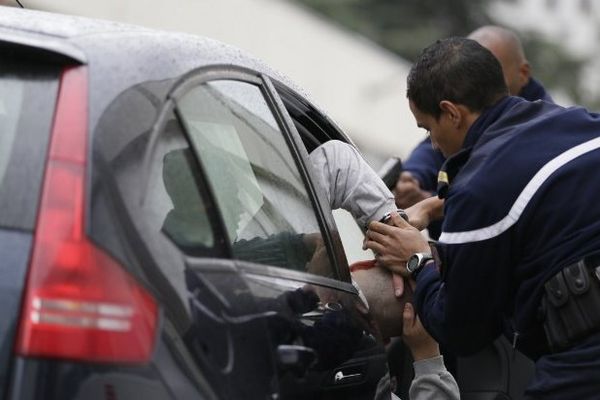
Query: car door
{"type": "Point", "coordinates": [204, 197]}
{"type": "Point", "coordinates": [282, 236]}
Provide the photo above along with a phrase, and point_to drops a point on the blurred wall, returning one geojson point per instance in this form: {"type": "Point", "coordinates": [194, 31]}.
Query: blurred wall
{"type": "Point", "coordinates": [359, 84]}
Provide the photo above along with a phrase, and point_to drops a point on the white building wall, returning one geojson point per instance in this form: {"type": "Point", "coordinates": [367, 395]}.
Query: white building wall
{"type": "Point", "coordinates": [361, 85]}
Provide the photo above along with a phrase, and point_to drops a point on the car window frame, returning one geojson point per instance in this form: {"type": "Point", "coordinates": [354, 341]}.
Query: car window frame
{"type": "Point", "coordinates": [323, 215]}
{"type": "Point", "coordinates": [328, 131]}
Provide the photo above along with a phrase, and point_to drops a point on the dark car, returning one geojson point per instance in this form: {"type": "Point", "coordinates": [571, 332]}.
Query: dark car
{"type": "Point", "coordinates": [160, 233]}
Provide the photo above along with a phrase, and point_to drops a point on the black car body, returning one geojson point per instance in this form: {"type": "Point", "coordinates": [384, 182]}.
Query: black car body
{"type": "Point", "coordinates": [160, 232]}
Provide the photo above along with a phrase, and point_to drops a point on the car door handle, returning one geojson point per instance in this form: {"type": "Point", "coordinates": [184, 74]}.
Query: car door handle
{"type": "Point", "coordinates": [340, 377]}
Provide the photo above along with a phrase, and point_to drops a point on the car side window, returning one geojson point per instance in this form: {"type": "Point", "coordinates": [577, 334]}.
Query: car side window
{"type": "Point", "coordinates": [174, 202]}
{"type": "Point", "coordinates": [264, 205]}
{"type": "Point", "coordinates": [314, 130]}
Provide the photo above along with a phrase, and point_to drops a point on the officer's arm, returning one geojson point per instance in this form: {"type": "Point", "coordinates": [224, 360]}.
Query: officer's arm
{"type": "Point", "coordinates": [462, 303]}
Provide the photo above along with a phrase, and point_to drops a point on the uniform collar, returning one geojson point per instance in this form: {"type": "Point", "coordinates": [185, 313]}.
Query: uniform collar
{"type": "Point", "coordinates": [534, 91]}
{"type": "Point", "coordinates": [455, 162]}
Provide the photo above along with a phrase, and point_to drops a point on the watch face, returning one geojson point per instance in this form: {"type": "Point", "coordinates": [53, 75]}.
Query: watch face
{"type": "Point", "coordinates": [413, 262]}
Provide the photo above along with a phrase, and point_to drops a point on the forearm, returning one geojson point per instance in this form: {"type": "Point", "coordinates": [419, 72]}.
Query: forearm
{"type": "Point", "coordinates": [430, 303]}
{"type": "Point", "coordinates": [460, 307]}
{"type": "Point", "coordinates": [350, 183]}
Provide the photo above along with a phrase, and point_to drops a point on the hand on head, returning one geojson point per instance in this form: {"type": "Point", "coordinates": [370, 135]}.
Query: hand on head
{"type": "Point", "coordinates": [393, 245]}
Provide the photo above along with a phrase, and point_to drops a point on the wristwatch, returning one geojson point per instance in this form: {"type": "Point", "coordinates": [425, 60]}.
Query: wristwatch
{"type": "Point", "coordinates": [416, 262]}
{"type": "Point", "coordinates": [388, 215]}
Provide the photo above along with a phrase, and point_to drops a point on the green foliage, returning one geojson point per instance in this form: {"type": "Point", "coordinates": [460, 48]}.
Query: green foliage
{"type": "Point", "coordinates": [556, 68]}
{"type": "Point", "coordinates": [407, 26]}
{"type": "Point", "coordinates": [550, 61]}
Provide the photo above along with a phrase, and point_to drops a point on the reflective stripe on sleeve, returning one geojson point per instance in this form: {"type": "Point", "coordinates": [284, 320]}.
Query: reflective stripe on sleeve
{"type": "Point", "coordinates": [526, 195]}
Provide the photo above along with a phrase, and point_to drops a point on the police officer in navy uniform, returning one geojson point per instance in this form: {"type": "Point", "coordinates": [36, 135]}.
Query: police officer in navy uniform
{"type": "Point", "coordinates": [518, 253]}
{"type": "Point", "coordinates": [419, 178]}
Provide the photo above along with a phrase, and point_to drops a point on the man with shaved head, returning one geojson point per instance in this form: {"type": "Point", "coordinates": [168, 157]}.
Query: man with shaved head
{"type": "Point", "coordinates": [397, 317]}
{"type": "Point", "coordinates": [419, 178]}
{"type": "Point", "coordinates": [506, 46]}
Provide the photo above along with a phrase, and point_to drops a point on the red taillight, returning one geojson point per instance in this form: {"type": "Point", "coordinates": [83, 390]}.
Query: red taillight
{"type": "Point", "coordinates": [79, 304]}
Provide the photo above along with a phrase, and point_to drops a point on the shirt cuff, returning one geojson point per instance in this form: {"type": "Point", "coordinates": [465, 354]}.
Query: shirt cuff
{"type": "Point", "coordinates": [429, 366]}
{"type": "Point", "coordinates": [429, 270]}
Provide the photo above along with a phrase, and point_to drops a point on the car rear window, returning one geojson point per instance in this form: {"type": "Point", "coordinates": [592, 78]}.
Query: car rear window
{"type": "Point", "coordinates": [28, 91]}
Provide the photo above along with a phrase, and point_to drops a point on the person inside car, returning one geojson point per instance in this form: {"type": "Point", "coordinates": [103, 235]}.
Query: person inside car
{"type": "Point", "coordinates": [352, 184]}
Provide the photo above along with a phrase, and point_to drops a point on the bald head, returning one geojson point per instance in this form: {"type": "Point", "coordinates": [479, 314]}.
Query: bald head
{"type": "Point", "coordinates": [386, 309]}
{"type": "Point", "coordinates": [506, 47]}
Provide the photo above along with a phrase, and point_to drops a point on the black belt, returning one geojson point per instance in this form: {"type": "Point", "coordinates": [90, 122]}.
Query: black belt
{"type": "Point", "coordinates": [571, 303]}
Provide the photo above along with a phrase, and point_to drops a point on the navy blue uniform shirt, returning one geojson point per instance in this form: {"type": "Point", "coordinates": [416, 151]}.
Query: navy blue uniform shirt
{"type": "Point", "coordinates": [522, 203]}
{"type": "Point", "coordinates": [424, 162]}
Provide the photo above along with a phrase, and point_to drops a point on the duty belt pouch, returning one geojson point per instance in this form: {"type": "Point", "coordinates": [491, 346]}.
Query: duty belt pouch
{"type": "Point", "coordinates": [571, 304]}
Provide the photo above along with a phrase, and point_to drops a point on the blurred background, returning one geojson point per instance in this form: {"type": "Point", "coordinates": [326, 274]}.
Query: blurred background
{"type": "Point", "coordinates": [352, 56]}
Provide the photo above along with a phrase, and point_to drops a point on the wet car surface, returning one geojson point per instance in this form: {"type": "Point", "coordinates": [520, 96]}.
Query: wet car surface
{"type": "Point", "coordinates": [161, 231]}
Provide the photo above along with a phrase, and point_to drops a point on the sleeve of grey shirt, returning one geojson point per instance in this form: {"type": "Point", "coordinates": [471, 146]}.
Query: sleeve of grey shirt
{"type": "Point", "coordinates": [433, 381]}
{"type": "Point", "coordinates": [350, 183]}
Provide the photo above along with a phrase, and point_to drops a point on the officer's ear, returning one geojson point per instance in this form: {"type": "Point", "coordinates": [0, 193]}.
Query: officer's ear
{"type": "Point", "coordinates": [524, 73]}
{"type": "Point", "coordinates": [452, 112]}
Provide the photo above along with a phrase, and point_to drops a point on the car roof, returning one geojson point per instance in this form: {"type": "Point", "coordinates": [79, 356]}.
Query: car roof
{"type": "Point", "coordinates": [119, 55]}
{"type": "Point", "coordinates": [94, 38]}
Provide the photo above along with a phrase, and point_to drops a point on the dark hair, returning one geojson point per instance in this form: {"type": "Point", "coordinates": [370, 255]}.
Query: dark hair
{"type": "Point", "coordinates": [456, 69]}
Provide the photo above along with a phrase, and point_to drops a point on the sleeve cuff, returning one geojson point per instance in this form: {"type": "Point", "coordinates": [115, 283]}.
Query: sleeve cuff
{"type": "Point", "coordinates": [429, 366]}
{"type": "Point", "coordinates": [428, 272]}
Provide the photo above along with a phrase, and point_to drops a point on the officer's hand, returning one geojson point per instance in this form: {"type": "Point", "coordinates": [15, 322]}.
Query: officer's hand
{"type": "Point", "coordinates": [408, 191]}
{"type": "Point", "coordinates": [425, 212]}
{"type": "Point", "coordinates": [397, 279]}
{"type": "Point", "coordinates": [398, 284]}
{"type": "Point", "coordinates": [393, 245]}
